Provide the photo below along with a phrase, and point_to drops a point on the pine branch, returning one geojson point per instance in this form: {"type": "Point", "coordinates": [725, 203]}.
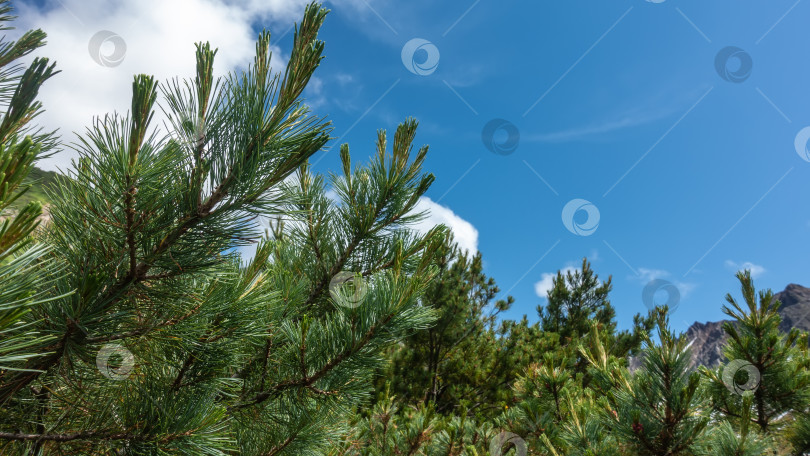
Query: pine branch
{"type": "Point", "coordinates": [307, 381]}
{"type": "Point", "coordinates": [91, 435]}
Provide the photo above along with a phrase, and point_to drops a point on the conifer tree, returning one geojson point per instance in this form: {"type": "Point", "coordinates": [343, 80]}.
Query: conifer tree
{"type": "Point", "coordinates": [156, 338]}
{"type": "Point", "coordinates": [799, 435]}
{"type": "Point", "coordinates": [578, 300]}
{"type": "Point", "coordinates": [575, 299]}
{"type": "Point", "coordinates": [725, 440]}
{"type": "Point", "coordinates": [583, 434]}
{"type": "Point", "coordinates": [761, 359]}
{"type": "Point", "coordinates": [433, 366]}
{"type": "Point", "coordinates": [545, 397]}
{"type": "Point", "coordinates": [569, 421]}
{"type": "Point", "coordinates": [21, 268]}
{"type": "Point", "coordinates": [395, 428]}
{"type": "Point", "coordinates": [388, 430]}
{"type": "Point", "coordinates": [659, 410]}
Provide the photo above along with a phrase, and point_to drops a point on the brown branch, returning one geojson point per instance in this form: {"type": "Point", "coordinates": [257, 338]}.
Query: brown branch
{"type": "Point", "coordinates": [183, 370]}
{"type": "Point", "coordinates": [337, 267]}
{"type": "Point", "coordinates": [308, 381]}
{"type": "Point", "coordinates": [283, 444]}
{"type": "Point", "coordinates": [89, 435]}
{"type": "Point", "coordinates": [22, 378]}
{"type": "Point", "coordinates": [65, 437]}
{"type": "Point", "coordinates": [142, 331]}
{"type": "Point", "coordinates": [129, 202]}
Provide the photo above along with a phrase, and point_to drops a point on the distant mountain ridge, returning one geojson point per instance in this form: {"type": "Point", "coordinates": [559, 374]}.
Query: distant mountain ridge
{"type": "Point", "coordinates": [707, 339]}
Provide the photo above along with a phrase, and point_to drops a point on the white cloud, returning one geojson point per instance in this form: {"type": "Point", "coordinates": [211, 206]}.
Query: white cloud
{"type": "Point", "coordinates": [464, 233]}
{"type": "Point", "coordinates": [546, 282]}
{"type": "Point", "coordinates": [646, 275]}
{"type": "Point", "coordinates": [630, 118]}
{"type": "Point", "coordinates": [344, 78]}
{"type": "Point", "coordinates": [756, 270]}
{"type": "Point", "coordinates": [589, 131]}
{"type": "Point", "coordinates": [652, 108]}
{"type": "Point", "coordinates": [159, 37]}
{"type": "Point", "coordinates": [332, 195]}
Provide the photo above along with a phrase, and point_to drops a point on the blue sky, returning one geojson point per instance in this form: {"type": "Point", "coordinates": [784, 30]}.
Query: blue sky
{"type": "Point", "coordinates": [722, 186]}
{"type": "Point", "coordinates": [618, 103]}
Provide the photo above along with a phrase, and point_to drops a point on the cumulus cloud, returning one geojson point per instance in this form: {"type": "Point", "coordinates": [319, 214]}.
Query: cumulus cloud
{"type": "Point", "coordinates": [159, 37]}
{"type": "Point", "coordinates": [546, 282]}
{"type": "Point", "coordinates": [464, 233]}
{"type": "Point", "coordinates": [756, 270]}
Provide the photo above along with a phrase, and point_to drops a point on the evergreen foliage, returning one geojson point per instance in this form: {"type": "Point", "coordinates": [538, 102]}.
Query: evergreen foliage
{"type": "Point", "coordinates": [23, 274]}
{"type": "Point", "coordinates": [433, 366]}
{"type": "Point", "coordinates": [575, 299]}
{"type": "Point", "coordinates": [154, 341]}
{"type": "Point", "coordinates": [660, 410]}
{"type": "Point", "coordinates": [131, 323]}
{"type": "Point", "coordinates": [760, 359]}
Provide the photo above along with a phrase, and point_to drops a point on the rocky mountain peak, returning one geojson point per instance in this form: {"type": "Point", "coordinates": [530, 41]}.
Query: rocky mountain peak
{"type": "Point", "coordinates": [707, 339]}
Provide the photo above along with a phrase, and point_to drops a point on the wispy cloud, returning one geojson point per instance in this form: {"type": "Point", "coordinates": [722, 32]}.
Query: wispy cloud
{"type": "Point", "coordinates": [594, 130]}
{"type": "Point", "coordinates": [647, 275]}
{"type": "Point", "coordinates": [756, 270]}
{"type": "Point", "coordinates": [649, 109]}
